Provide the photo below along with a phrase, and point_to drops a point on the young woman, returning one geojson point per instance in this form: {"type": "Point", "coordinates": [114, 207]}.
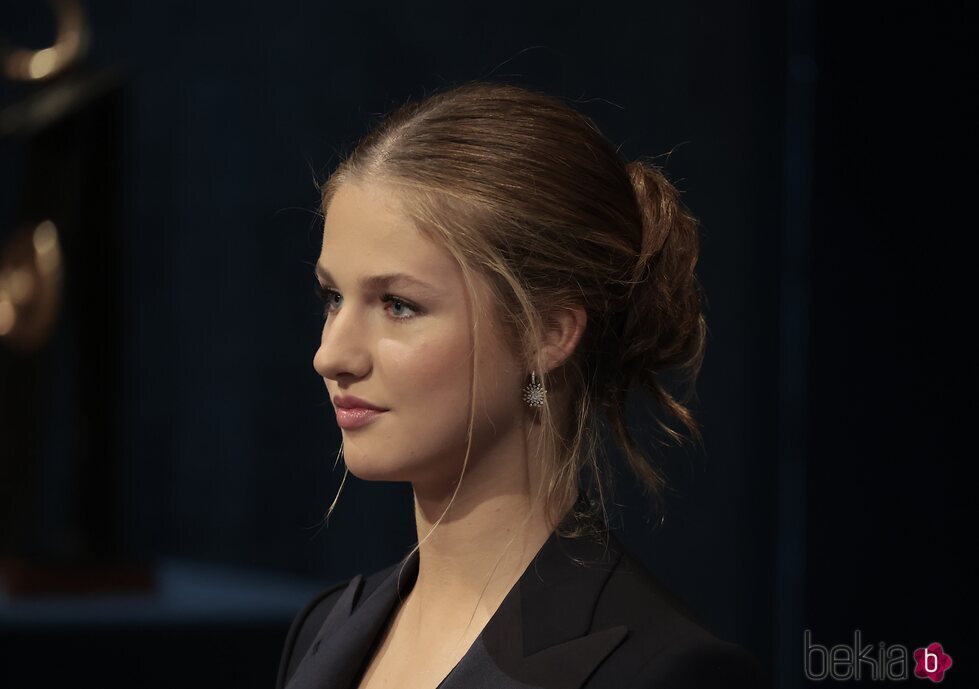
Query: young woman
{"type": "Point", "coordinates": [496, 278]}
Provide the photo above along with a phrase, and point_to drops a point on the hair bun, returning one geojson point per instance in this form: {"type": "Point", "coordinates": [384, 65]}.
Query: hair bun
{"type": "Point", "coordinates": [657, 205]}
{"type": "Point", "coordinates": [664, 327]}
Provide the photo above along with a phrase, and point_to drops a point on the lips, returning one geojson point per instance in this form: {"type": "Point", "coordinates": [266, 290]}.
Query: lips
{"type": "Point", "coordinates": [350, 418]}
{"type": "Point", "coordinates": [354, 412]}
{"type": "Point", "coordinates": [351, 402]}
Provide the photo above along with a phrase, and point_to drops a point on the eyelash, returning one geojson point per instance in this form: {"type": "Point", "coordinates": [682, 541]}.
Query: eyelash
{"type": "Point", "coordinates": [326, 294]}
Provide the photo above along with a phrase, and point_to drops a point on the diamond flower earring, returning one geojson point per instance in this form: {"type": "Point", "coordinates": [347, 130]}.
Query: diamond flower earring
{"type": "Point", "coordinates": [534, 393]}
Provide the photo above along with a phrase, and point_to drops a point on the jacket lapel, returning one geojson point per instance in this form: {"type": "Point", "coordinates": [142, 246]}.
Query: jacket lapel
{"type": "Point", "coordinates": [349, 632]}
{"type": "Point", "coordinates": [538, 637]}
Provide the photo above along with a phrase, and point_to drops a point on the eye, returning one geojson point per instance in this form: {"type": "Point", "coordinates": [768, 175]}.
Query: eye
{"type": "Point", "coordinates": [327, 296]}
{"type": "Point", "coordinates": [392, 299]}
{"type": "Point", "coordinates": [331, 298]}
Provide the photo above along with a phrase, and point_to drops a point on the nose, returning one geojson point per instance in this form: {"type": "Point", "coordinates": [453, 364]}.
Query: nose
{"type": "Point", "coordinates": [343, 347]}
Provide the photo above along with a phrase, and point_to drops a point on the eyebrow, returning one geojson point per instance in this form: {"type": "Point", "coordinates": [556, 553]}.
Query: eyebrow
{"type": "Point", "coordinates": [378, 281]}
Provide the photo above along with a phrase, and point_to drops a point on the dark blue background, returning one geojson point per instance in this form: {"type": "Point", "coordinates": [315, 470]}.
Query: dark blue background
{"type": "Point", "coordinates": [822, 147]}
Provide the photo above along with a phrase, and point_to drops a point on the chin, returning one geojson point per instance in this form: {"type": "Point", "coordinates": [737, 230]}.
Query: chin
{"type": "Point", "coordinates": [398, 464]}
{"type": "Point", "coordinates": [373, 468]}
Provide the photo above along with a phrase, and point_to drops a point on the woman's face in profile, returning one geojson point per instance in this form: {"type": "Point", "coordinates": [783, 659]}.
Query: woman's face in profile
{"type": "Point", "coordinates": [397, 334]}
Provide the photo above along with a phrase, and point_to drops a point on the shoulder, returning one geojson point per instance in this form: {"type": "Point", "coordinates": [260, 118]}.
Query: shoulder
{"type": "Point", "coordinates": [310, 619]}
{"type": "Point", "coordinates": [667, 645]}
{"type": "Point", "coordinates": [305, 625]}
{"type": "Point", "coordinates": [699, 664]}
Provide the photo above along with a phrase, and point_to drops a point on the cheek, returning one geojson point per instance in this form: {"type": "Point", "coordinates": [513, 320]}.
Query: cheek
{"type": "Point", "coordinates": [426, 373]}
{"type": "Point", "coordinates": [424, 381]}
{"type": "Point", "coordinates": [431, 376]}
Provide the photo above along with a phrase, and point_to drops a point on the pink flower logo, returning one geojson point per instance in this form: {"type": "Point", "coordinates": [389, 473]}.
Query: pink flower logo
{"type": "Point", "coordinates": [931, 662]}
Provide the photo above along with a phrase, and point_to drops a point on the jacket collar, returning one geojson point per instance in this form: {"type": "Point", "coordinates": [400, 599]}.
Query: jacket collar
{"type": "Point", "coordinates": [539, 636]}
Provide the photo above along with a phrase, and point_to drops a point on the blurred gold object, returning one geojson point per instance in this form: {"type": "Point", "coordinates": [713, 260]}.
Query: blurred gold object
{"type": "Point", "coordinates": [31, 276]}
{"type": "Point", "coordinates": [71, 41]}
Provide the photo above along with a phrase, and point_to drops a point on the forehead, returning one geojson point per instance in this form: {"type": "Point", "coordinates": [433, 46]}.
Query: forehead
{"type": "Point", "coordinates": [365, 225]}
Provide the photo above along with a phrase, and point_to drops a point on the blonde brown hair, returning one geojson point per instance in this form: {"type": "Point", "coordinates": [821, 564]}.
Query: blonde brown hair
{"type": "Point", "coordinates": [526, 192]}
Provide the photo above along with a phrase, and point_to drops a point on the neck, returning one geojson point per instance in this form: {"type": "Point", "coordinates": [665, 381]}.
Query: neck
{"type": "Point", "coordinates": [485, 541]}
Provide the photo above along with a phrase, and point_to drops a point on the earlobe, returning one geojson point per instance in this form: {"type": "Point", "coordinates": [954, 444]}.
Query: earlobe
{"type": "Point", "coordinates": [565, 329]}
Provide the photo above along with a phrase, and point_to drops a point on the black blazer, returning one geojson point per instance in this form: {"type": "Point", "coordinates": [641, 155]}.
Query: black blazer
{"type": "Point", "coordinates": [605, 625]}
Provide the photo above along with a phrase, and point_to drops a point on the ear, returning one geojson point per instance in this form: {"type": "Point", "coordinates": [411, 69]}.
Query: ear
{"type": "Point", "coordinates": [564, 330]}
